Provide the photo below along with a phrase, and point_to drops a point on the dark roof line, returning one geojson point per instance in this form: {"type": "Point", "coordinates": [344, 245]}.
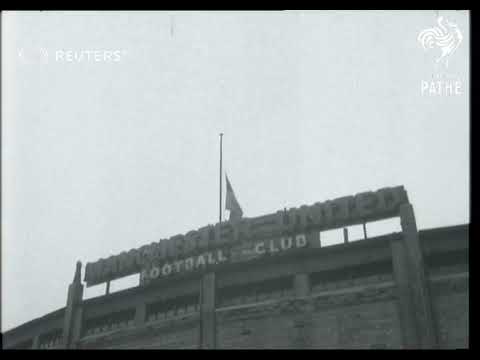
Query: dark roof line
{"type": "Point", "coordinates": [461, 227]}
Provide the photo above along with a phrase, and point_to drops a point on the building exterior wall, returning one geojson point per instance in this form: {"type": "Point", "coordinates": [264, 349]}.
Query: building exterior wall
{"type": "Point", "coordinates": [344, 296]}
{"type": "Point", "coordinates": [451, 304]}
{"type": "Point", "coordinates": [336, 321]}
{"type": "Point", "coordinates": [178, 333]}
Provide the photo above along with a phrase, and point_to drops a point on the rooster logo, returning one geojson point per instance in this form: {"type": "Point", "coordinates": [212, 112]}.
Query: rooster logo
{"type": "Point", "coordinates": [33, 56]}
{"type": "Point", "coordinates": [446, 36]}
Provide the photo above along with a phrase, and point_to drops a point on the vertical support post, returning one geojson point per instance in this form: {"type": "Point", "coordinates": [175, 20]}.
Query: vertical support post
{"type": "Point", "coordinates": [427, 332]}
{"type": "Point", "coordinates": [77, 327]}
{"type": "Point", "coordinates": [74, 300]}
{"type": "Point", "coordinates": [302, 327]}
{"type": "Point", "coordinates": [207, 312]}
{"type": "Point", "coordinates": [140, 314]}
{"type": "Point", "coordinates": [220, 199]}
{"type": "Point", "coordinates": [345, 235]}
{"type": "Point", "coordinates": [313, 239]}
{"type": "Point", "coordinates": [364, 230]}
{"type": "Point", "coordinates": [36, 342]}
{"type": "Point", "coordinates": [404, 295]}
{"type": "Point", "coordinates": [301, 284]}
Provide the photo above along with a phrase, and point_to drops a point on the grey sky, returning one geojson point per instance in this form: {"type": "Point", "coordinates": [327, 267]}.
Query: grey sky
{"type": "Point", "coordinates": [101, 157]}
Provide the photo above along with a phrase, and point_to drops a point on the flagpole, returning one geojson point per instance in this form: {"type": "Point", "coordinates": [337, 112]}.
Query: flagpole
{"type": "Point", "coordinates": [220, 204]}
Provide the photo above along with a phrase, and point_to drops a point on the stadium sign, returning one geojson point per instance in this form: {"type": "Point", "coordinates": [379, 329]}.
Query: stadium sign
{"type": "Point", "coordinates": [236, 254]}
{"type": "Point", "coordinates": [241, 240]}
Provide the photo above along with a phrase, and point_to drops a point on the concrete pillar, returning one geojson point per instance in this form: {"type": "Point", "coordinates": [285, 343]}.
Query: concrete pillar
{"type": "Point", "coordinates": [140, 314]}
{"type": "Point", "coordinates": [345, 235]}
{"type": "Point", "coordinates": [303, 333]}
{"type": "Point", "coordinates": [77, 327]}
{"type": "Point", "coordinates": [418, 283]}
{"type": "Point", "coordinates": [72, 318]}
{"type": "Point", "coordinates": [36, 342]}
{"type": "Point", "coordinates": [313, 239]}
{"type": "Point", "coordinates": [301, 285]}
{"type": "Point", "coordinates": [208, 332]}
{"type": "Point", "coordinates": [404, 294]}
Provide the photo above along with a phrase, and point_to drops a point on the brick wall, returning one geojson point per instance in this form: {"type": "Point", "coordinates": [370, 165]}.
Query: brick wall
{"type": "Point", "coordinates": [178, 333]}
{"type": "Point", "coordinates": [362, 317]}
{"type": "Point", "coordinates": [451, 304]}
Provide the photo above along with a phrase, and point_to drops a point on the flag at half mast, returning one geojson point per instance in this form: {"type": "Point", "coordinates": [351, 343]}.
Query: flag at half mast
{"type": "Point", "coordinates": [231, 203]}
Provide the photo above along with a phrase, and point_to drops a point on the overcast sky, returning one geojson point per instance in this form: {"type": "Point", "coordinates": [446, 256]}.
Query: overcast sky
{"type": "Point", "coordinates": [99, 157]}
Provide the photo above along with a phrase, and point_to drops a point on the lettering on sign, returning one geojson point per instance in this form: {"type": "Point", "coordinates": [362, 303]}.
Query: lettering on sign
{"type": "Point", "coordinates": [216, 244]}
{"type": "Point", "coordinates": [259, 249]}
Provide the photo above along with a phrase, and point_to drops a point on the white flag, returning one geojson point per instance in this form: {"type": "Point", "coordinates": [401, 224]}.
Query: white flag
{"type": "Point", "coordinates": [231, 203]}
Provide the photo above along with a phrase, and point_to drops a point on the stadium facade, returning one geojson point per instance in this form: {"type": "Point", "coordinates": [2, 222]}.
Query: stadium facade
{"type": "Point", "coordinates": [269, 282]}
